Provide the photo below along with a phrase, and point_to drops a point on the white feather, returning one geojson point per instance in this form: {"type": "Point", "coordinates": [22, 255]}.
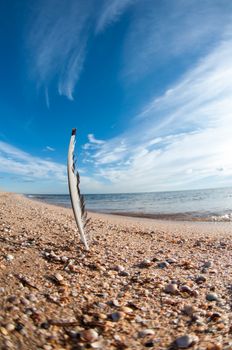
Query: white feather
{"type": "Point", "coordinates": [73, 181]}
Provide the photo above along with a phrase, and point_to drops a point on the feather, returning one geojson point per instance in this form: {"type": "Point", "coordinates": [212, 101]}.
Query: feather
{"type": "Point", "coordinates": [77, 199]}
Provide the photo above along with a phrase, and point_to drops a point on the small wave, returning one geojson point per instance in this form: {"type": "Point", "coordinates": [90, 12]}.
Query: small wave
{"type": "Point", "coordinates": [224, 218]}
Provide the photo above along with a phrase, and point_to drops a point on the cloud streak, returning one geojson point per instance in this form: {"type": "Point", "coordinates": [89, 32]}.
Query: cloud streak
{"type": "Point", "coordinates": [58, 35]}
{"type": "Point", "coordinates": [111, 12]}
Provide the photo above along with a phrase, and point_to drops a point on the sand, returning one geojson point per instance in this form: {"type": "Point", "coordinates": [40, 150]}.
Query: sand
{"type": "Point", "coordinates": [143, 284]}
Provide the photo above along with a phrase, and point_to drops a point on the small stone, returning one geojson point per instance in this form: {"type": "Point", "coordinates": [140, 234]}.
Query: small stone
{"type": "Point", "coordinates": [114, 302]}
{"type": "Point", "coordinates": [186, 341]}
{"type": "Point", "coordinates": [200, 279]}
{"type": "Point", "coordinates": [3, 331]}
{"type": "Point", "coordinates": [149, 344]}
{"type": "Point", "coordinates": [124, 273]}
{"type": "Point", "coordinates": [189, 310]}
{"type": "Point", "coordinates": [212, 297]}
{"type": "Point", "coordinates": [215, 316]}
{"type": "Point", "coordinates": [10, 327]}
{"type": "Point", "coordinates": [98, 345]}
{"type": "Point", "coordinates": [146, 332]}
{"type": "Point", "coordinates": [59, 277]}
{"type": "Point", "coordinates": [9, 257]}
{"type": "Point", "coordinates": [127, 310]}
{"type": "Point", "coordinates": [116, 316]}
{"type": "Point", "coordinates": [19, 327]}
{"type": "Point", "coordinates": [89, 335]}
{"type": "Point", "coordinates": [45, 325]}
{"type": "Point", "coordinates": [186, 289]}
{"type": "Point", "coordinates": [119, 268]}
{"type": "Point", "coordinates": [145, 263]}
{"type": "Point", "coordinates": [163, 264]}
{"type": "Point", "coordinates": [171, 288]}
{"type": "Point", "coordinates": [74, 293]}
{"type": "Point", "coordinates": [171, 260]}
{"type": "Point", "coordinates": [207, 264]}
{"type": "Point", "coordinates": [64, 259]}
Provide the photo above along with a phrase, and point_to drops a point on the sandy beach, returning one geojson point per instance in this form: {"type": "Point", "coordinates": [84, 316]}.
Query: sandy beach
{"type": "Point", "coordinates": [143, 284]}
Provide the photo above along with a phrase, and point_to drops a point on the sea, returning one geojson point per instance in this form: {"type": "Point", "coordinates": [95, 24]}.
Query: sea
{"type": "Point", "coordinates": [190, 205]}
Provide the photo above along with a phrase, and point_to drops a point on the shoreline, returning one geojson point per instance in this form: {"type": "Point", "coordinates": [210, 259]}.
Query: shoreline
{"type": "Point", "coordinates": [144, 282]}
{"type": "Point", "coordinates": [176, 217]}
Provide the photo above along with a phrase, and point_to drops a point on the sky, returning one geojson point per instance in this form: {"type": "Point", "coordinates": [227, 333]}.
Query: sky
{"type": "Point", "coordinates": [147, 84]}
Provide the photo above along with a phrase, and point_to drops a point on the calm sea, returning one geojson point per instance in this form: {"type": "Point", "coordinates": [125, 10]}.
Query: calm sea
{"type": "Point", "coordinates": [202, 205]}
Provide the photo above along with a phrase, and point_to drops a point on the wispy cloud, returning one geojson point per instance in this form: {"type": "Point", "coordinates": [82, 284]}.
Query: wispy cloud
{"type": "Point", "coordinates": [111, 12]}
{"type": "Point", "coordinates": [180, 139]}
{"type": "Point", "coordinates": [92, 139]}
{"type": "Point", "coordinates": [48, 148]}
{"type": "Point", "coordinates": [57, 39]}
{"type": "Point", "coordinates": [162, 32]}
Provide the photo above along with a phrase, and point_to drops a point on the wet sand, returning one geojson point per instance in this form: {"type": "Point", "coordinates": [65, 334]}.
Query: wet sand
{"type": "Point", "coordinates": [144, 283]}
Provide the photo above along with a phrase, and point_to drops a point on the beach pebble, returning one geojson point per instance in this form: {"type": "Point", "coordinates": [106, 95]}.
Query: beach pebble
{"type": "Point", "coordinates": [98, 344]}
{"type": "Point", "coordinates": [189, 310]}
{"type": "Point", "coordinates": [59, 277]}
{"type": "Point", "coordinates": [171, 288]}
{"type": "Point", "coordinates": [89, 335]}
{"type": "Point", "coordinates": [207, 264]}
{"type": "Point", "coordinates": [149, 344]}
{"type": "Point", "coordinates": [186, 341]}
{"type": "Point", "coordinates": [124, 273]}
{"type": "Point", "coordinates": [116, 316]}
{"type": "Point", "coordinates": [186, 289]}
{"type": "Point", "coordinates": [10, 327]}
{"type": "Point", "coordinates": [163, 264]}
{"type": "Point", "coordinates": [146, 332]}
{"type": "Point", "coordinates": [215, 316]}
{"type": "Point", "coordinates": [9, 257]}
{"type": "Point", "coordinates": [145, 263]}
{"type": "Point", "coordinates": [64, 259]}
{"type": "Point", "coordinates": [127, 310]}
{"type": "Point", "coordinates": [114, 302]}
{"type": "Point", "coordinates": [171, 260]}
{"type": "Point", "coordinates": [119, 268]}
{"type": "Point", "coordinates": [200, 279]}
{"type": "Point", "coordinates": [212, 297]}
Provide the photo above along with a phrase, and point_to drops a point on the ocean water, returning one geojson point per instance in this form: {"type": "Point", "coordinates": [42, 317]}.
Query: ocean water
{"type": "Point", "coordinates": [196, 205]}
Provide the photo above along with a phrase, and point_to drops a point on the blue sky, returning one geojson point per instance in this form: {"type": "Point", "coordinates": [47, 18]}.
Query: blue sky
{"type": "Point", "coordinates": [147, 84]}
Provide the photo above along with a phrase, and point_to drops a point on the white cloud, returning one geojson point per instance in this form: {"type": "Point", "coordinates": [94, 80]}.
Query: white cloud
{"type": "Point", "coordinates": [22, 171]}
{"type": "Point", "coordinates": [92, 139]}
{"type": "Point", "coordinates": [48, 148]}
{"type": "Point", "coordinates": [179, 140]}
{"type": "Point", "coordinates": [15, 161]}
